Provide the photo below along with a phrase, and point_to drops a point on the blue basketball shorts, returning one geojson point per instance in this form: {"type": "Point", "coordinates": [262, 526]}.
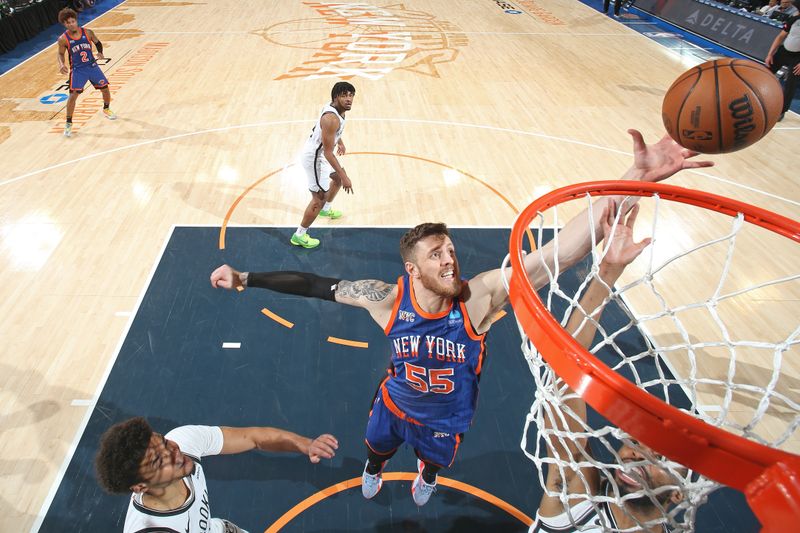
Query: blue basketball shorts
{"type": "Point", "coordinates": [79, 76]}
{"type": "Point", "coordinates": [386, 431]}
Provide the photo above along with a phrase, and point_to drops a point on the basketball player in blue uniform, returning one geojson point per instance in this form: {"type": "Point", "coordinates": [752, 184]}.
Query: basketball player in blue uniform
{"type": "Point", "coordinates": [77, 43]}
{"type": "Point", "coordinates": [436, 322]}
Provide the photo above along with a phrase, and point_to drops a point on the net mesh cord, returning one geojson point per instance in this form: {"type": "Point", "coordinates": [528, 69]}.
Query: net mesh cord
{"type": "Point", "coordinates": [587, 448]}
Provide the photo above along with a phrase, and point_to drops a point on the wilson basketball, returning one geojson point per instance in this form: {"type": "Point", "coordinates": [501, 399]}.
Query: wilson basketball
{"type": "Point", "coordinates": [722, 105]}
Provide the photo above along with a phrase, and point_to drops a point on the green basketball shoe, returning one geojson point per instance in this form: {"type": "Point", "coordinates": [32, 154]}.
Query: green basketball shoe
{"type": "Point", "coordinates": [332, 214]}
{"type": "Point", "coordinates": [305, 240]}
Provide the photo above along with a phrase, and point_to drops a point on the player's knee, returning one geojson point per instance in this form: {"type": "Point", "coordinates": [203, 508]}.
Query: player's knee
{"type": "Point", "coordinates": [378, 458]}
{"type": "Point", "coordinates": [317, 200]}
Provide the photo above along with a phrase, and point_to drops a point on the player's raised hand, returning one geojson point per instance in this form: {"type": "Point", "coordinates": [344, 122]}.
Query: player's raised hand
{"type": "Point", "coordinates": [622, 249]}
{"type": "Point", "coordinates": [226, 277]}
{"type": "Point", "coordinates": [659, 161]}
{"type": "Point", "coordinates": [323, 447]}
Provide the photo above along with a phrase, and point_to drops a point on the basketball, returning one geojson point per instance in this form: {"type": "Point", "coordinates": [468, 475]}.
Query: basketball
{"type": "Point", "coordinates": [722, 105]}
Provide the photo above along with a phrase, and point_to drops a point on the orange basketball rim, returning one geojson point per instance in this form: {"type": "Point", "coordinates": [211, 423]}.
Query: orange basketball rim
{"type": "Point", "coordinates": [770, 478]}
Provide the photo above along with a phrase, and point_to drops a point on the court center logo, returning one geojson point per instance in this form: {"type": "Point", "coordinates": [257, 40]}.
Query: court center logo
{"type": "Point", "coordinates": [361, 40]}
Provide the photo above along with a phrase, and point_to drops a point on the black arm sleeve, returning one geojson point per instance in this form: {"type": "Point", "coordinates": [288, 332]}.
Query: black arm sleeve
{"type": "Point", "coordinates": [299, 283]}
{"type": "Point", "coordinates": [99, 46]}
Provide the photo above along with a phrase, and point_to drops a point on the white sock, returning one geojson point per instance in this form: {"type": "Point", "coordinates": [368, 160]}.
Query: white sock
{"type": "Point", "coordinates": [327, 206]}
{"type": "Point", "coordinates": [300, 231]}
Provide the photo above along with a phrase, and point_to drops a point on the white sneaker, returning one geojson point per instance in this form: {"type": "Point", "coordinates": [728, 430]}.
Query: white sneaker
{"type": "Point", "coordinates": [68, 129]}
{"type": "Point", "coordinates": [421, 491]}
{"type": "Point", "coordinates": [371, 484]}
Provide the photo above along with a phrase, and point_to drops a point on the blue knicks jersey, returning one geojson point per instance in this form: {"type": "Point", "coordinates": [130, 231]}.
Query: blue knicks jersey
{"type": "Point", "coordinates": [80, 51]}
{"type": "Point", "coordinates": [436, 363]}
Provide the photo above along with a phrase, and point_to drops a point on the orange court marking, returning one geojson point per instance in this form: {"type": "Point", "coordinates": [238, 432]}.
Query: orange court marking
{"type": "Point", "coordinates": [346, 342]}
{"type": "Point", "coordinates": [280, 320]}
{"type": "Point", "coordinates": [312, 500]}
{"type": "Point", "coordinates": [235, 203]}
{"type": "Point", "coordinates": [467, 174]}
{"type": "Point", "coordinates": [470, 176]}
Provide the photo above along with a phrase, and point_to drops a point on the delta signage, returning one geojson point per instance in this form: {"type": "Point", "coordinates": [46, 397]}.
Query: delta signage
{"type": "Point", "coordinates": [747, 34]}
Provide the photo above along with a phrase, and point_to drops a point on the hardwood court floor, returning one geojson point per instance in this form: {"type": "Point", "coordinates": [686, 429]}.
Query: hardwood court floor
{"type": "Point", "coordinates": [464, 113]}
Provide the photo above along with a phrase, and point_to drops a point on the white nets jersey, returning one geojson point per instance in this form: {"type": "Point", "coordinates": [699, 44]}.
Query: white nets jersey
{"type": "Point", "coordinates": [313, 146]}
{"type": "Point", "coordinates": [583, 517]}
{"type": "Point", "coordinates": [194, 516]}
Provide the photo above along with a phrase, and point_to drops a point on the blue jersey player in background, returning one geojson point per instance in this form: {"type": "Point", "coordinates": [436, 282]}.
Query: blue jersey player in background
{"type": "Point", "coordinates": [436, 323]}
{"type": "Point", "coordinates": [77, 43]}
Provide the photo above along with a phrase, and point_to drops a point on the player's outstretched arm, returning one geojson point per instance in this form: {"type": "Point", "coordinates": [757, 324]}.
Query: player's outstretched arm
{"type": "Point", "coordinates": [651, 163]}
{"type": "Point", "coordinates": [288, 282]}
{"type": "Point", "coordinates": [582, 325]}
{"type": "Point", "coordinates": [238, 440]}
{"type": "Point", "coordinates": [375, 296]}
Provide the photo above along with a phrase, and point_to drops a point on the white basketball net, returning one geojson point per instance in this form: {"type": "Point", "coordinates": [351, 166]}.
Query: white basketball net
{"type": "Point", "coordinates": [696, 342]}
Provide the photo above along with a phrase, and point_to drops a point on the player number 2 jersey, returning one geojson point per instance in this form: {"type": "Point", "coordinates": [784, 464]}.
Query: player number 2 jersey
{"type": "Point", "coordinates": [80, 50]}
{"type": "Point", "coordinates": [436, 362]}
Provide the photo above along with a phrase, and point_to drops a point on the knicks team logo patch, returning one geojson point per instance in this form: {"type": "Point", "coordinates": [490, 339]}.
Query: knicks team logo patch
{"type": "Point", "coordinates": [455, 318]}
{"type": "Point", "coordinates": [407, 316]}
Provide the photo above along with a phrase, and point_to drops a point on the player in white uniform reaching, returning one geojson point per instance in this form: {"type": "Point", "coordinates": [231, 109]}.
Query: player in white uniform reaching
{"type": "Point", "coordinates": [566, 505]}
{"type": "Point", "coordinates": [325, 175]}
{"type": "Point", "coordinates": [165, 475]}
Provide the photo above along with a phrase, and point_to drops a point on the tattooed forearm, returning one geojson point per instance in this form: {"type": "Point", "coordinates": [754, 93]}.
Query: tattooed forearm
{"type": "Point", "coordinates": [372, 289]}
